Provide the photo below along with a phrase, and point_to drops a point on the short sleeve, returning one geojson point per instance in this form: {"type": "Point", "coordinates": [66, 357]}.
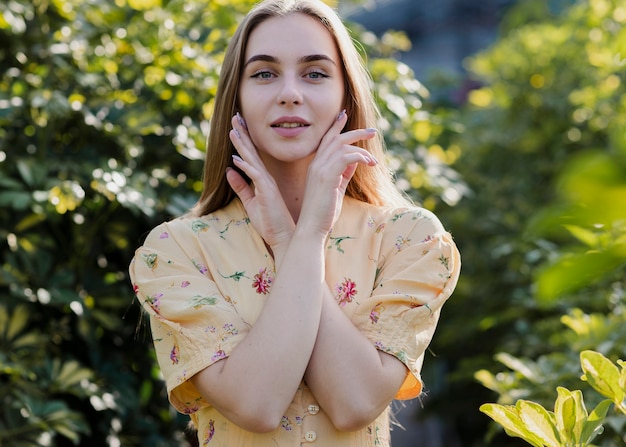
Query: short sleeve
{"type": "Point", "coordinates": [418, 269]}
{"type": "Point", "coordinates": [193, 325]}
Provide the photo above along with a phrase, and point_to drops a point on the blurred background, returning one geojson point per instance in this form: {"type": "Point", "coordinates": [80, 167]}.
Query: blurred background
{"type": "Point", "coordinates": [507, 118]}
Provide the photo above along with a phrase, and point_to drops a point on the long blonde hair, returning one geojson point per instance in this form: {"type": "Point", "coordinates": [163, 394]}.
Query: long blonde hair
{"type": "Point", "coordinates": [369, 184]}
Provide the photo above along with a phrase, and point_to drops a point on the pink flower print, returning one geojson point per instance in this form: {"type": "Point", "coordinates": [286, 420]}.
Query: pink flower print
{"type": "Point", "coordinates": [191, 409]}
{"type": "Point", "coordinates": [209, 431]}
{"type": "Point", "coordinates": [263, 281]}
{"type": "Point", "coordinates": [218, 355]}
{"type": "Point", "coordinates": [174, 355]}
{"type": "Point", "coordinates": [345, 292]}
{"type": "Point", "coordinates": [185, 284]}
{"type": "Point", "coordinates": [135, 289]}
{"type": "Point", "coordinates": [201, 267]}
{"type": "Point", "coordinates": [375, 312]}
{"type": "Point", "coordinates": [164, 235]}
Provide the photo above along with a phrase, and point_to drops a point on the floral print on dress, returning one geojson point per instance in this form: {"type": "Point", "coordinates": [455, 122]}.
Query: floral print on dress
{"type": "Point", "coordinates": [378, 261]}
{"type": "Point", "coordinates": [198, 226]}
{"type": "Point", "coordinates": [151, 260]}
{"type": "Point", "coordinates": [401, 354]}
{"type": "Point", "coordinates": [371, 223]}
{"type": "Point", "coordinates": [285, 423]}
{"type": "Point", "coordinates": [209, 432]}
{"type": "Point", "coordinates": [228, 330]}
{"type": "Point", "coordinates": [154, 301]}
{"type": "Point", "coordinates": [263, 281]}
{"type": "Point", "coordinates": [401, 242]}
{"type": "Point", "coordinates": [192, 407]}
{"type": "Point", "coordinates": [345, 292]}
{"type": "Point", "coordinates": [337, 241]}
{"type": "Point", "coordinates": [198, 301]}
{"type": "Point", "coordinates": [174, 355]}
{"type": "Point", "coordinates": [218, 355]}
{"type": "Point", "coordinates": [235, 276]}
{"type": "Point", "coordinates": [200, 266]}
{"type": "Point", "coordinates": [375, 312]}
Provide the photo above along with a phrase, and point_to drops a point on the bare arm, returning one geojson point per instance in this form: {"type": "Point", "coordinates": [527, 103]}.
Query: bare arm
{"type": "Point", "coordinates": [352, 380]}
{"type": "Point", "coordinates": [256, 383]}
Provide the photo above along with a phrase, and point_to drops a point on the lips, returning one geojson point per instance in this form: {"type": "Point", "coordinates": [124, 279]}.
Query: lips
{"type": "Point", "coordinates": [289, 122]}
{"type": "Point", "coordinates": [290, 126]}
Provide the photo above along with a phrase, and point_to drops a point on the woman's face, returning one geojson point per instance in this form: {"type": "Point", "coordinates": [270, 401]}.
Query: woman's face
{"type": "Point", "coordinates": [292, 87]}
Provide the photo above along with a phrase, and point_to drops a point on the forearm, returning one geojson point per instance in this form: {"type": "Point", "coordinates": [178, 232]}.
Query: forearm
{"type": "Point", "coordinates": [256, 383]}
{"type": "Point", "coordinates": [352, 380]}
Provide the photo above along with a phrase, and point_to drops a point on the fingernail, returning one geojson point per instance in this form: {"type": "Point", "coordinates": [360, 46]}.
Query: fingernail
{"type": "Point", "coordinates": [237, 158]}
{"type": "Point", "coordinates": [242, 122]}
{"type": "Point", "coordinates": [237, 133]}
{"type": "Point", "coordinates": [371, 130]}
{"type": "Point", "coordinates": [341, 114]}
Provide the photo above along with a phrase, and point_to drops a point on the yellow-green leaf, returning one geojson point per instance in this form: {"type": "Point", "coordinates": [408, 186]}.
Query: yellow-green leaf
{"type": "Point", "coordinates": [507, 416]}
{"type": "Point", "coordinates": [539, 421]}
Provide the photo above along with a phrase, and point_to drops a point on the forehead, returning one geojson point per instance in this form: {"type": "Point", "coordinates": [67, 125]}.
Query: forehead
{"type": "Point", "coordinates": [294, 34]}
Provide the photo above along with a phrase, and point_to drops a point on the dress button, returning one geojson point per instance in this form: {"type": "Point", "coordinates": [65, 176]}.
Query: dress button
{"type": "Point", "coordinates": [310, 436]}
{"type": "Point", "coordinates": [314, 409]}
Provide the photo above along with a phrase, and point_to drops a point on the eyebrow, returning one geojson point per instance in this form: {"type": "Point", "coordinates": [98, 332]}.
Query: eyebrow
{"type": "Point", "coordinates": [301, 60]}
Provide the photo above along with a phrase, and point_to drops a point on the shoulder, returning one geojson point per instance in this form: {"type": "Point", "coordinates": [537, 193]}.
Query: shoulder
{"type": "Point", "coordinates": [394, 219]}
{"type": "Point", "coordinates": [181, 228]}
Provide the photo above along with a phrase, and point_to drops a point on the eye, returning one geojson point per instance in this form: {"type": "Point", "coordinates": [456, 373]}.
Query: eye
{"type": "Point", "coordinates": [316, 75]}
{"type": "Point", "coordinates": [263, 74]}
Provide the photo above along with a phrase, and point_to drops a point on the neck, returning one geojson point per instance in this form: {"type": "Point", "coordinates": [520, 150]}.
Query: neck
{"type": "Point", "coordinates": [291, 180]}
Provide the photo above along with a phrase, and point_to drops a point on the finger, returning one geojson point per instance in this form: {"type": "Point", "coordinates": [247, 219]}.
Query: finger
{"type": "Point", "coordinates": [335, 128]}
{"type": "Point", "coordinates": [243, 143]}
{"type": "Point", "coordinates": [239, 185]}
{"type": "Point", "coordinates": [248, 162]}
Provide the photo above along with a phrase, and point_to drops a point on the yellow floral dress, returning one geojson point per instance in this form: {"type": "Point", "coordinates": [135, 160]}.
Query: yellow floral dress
{"type": "Point", "coordinates": [204, 280]}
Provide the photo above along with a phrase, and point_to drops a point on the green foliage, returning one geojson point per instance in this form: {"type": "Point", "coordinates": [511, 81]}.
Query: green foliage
{"type": "Point", "coordinates": [605, 378]}
{"type": "Point", "coordinates": [542, 234]}
{"type": "Point", "coordinates": [570, 424]}
{"type": "Point", "coordinates": [104, 110]}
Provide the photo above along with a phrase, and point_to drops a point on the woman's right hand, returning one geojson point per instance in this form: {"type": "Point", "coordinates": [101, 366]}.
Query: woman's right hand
{"type": "Point", "coordinates": [262, 200]}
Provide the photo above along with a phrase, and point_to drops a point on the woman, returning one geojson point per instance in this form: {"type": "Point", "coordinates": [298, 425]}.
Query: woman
{"type": "Point", "coordinates": [298, 298]}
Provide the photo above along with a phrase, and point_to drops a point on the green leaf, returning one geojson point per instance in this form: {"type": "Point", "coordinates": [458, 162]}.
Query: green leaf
{"type": "Point", "coordinates": [570, 414]}
{"type": "Point", "coordinates": [585, 236]}
{"type": "Point", "coordinates": [70, 373]}
{"type": "Point", "coordinates": [539, 421]}
{"type": "Point", "coordinates": [602, 375]}
{"type": "Point", "coordinates": [17, 322]}
{"type": "Point", "coordinates": [17, 200]}
{"type": "Point", "coordinates": [524, 367]}
{"type": "Point", "coordinates": [507, 416]}
{"type": "Point", "coordinates": [593, 425]}
{"type": "Point", "coordinates": [565, 414]}
{"type": "Point", "coordinates": [572, 272]}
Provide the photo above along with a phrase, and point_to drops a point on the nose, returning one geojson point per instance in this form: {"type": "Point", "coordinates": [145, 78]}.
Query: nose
{"type": "Point", "coordinates": [289, 92]}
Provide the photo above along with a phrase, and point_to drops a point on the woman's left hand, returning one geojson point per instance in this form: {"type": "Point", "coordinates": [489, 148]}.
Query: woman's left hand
{"type": "Point", "coordinates": [329, 173]}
